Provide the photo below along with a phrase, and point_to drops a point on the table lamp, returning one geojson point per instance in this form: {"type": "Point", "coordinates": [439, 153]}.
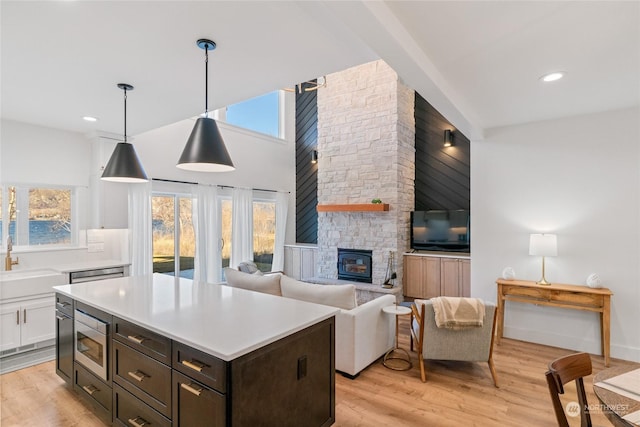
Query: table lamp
{"type": "Point", "coordinates": [543, 245]}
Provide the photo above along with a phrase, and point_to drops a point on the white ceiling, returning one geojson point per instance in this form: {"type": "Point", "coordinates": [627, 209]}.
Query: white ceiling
{"type": "Point", "coordinates": [477, 62]}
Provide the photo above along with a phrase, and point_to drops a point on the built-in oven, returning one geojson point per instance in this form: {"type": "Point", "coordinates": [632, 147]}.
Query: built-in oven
{"type": "Point", "coordinates": [91, 343]}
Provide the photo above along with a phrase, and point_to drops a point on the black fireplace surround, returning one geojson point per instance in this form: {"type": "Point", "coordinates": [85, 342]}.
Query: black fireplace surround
{"type": "Point", "coordinates": [355, 265]}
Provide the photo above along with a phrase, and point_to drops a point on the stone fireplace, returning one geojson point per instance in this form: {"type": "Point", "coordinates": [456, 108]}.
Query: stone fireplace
{"type": "Point", "coordinates": [366, 150]}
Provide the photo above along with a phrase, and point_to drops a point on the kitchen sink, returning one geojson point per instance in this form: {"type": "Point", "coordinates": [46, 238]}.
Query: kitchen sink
{"type": "Point", "coordinates": [21, 283]}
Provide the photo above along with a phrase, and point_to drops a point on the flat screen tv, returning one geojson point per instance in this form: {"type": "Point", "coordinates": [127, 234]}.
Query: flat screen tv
{"type": "Point", "coordinates": [440, 230]}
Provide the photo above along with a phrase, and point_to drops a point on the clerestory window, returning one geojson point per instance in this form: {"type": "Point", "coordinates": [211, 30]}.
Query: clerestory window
{"type": "Point", "coordinates": [260, 114]}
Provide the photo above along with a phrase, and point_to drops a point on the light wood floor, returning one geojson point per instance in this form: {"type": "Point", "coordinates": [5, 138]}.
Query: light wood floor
{"type": "Point", "coordinates": [455, 394]}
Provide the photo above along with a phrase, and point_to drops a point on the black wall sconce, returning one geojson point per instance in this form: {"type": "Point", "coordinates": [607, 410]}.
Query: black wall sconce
{"type": "Point", "coordinates": [448, 138]}
{"type": "Point", "coordinates": [314, 157]}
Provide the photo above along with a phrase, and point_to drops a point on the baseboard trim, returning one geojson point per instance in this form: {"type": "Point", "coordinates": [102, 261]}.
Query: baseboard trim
{"type": "Point", "coordinates": [572, 343]}
{"type": "Point", "coordinates": [26, 359]}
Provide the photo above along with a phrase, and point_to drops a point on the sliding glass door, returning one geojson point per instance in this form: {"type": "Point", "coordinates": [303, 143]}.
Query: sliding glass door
{"type": "Point", "coordinates": [264, 233]}
{"type": "Point", "coordinates": [173, 236]}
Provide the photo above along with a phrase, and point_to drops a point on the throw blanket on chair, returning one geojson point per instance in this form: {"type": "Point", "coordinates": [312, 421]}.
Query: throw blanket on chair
{"type": "Point", "coordinates": [458, 313]}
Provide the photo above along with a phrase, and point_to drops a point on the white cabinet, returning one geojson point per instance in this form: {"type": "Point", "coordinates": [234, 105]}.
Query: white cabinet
{"type": "Point", "coordinates": [10, 326]}
{"type": "Point", "coordinates": [300, 261]}
{"type": "Point", "coordinates": [28, 321]}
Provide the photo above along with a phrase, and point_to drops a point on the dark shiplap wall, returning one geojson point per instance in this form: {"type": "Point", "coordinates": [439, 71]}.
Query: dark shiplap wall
{"type": "Point", "coordinates": [306, 172]}
{"type": "Point", "coordinates": [443, 175]}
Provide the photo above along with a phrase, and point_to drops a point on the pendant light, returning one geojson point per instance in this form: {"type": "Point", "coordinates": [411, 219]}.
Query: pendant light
{"type": "Point", "coordinates": [205, 150]}
{"type": "Point", "coordinates": [124, 165]}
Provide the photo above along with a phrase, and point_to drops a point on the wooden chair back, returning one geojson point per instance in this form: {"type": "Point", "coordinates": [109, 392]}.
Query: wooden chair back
{"type": "Point", "coordinates": [563, 370]}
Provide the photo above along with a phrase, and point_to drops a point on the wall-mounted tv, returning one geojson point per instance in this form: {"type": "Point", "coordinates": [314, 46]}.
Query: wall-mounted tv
{"type": "Point", "coordinates": [440, 230]}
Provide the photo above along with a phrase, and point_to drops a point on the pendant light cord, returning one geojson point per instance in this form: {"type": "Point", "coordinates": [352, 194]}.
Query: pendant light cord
{"type": "Point", "coordinates": [206, 80]}
{"type": "Point", "coordinates": [125, 115]}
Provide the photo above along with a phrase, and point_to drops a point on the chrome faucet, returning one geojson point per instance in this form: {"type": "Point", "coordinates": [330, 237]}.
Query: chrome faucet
{"type": "Point", "coordinates": [8, 262]}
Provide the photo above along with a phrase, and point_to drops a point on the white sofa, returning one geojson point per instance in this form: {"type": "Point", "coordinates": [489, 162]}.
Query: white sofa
{"type": "Point", "coordinates": [363, 333]}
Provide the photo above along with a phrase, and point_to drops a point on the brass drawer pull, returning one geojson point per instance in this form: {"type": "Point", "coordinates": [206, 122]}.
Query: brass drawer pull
{"type": "Point", "coordinates": [90, 389]}
{"type": "Point", "coordinates": [194, 364]}
{"type": "Point", "coordinates": [138, 375]}
{"type": "Point", "coordinates": [136, 339]}
{"type": "Point", "coordinates": [138, 422]}
{"type": "Point", "coordinates": [191, 389]}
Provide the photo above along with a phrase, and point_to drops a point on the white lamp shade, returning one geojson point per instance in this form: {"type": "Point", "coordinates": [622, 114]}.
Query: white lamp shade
{"type": "Point", "coordinates": [543, 245]}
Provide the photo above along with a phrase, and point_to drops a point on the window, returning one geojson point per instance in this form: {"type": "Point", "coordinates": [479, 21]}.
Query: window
{"type": "Point", "coordinates": [37, 216]}
{"type": "Point", "coordinates": [264, 233]}
{"type": "Point", "coordinates": [226, 219]}
{"type": "Point", "coordinates": [260, 114]}
{"type": "Point", "coordinates": [174, 242]}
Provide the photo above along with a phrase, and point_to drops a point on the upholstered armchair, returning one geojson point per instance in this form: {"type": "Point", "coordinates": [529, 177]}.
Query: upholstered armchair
{"type": "Point", "coordinates": [473, 344]}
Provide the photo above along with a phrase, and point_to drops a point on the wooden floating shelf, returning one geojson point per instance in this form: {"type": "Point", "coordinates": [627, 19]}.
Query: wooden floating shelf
{"type": "Point", "coordinates": [365, 207]}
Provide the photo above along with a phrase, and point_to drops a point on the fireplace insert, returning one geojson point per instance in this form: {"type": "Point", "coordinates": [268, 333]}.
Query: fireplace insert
{"type": "Point", "coordinates": [354, 264]}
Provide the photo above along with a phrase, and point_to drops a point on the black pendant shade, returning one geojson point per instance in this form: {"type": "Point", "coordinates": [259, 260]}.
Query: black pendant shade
{"type": "Point", "coordinates": [124, 164]}
{"type": "Point", "coordinates": [205, 150]}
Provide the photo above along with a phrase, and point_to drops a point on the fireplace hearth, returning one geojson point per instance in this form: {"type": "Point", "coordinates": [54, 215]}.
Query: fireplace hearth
{"type": "Point", "coordinates": [355, 265]}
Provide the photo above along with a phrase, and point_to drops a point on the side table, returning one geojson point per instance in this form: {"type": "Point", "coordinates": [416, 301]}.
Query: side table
{"type": "Point", "coordinates": [397, 358]}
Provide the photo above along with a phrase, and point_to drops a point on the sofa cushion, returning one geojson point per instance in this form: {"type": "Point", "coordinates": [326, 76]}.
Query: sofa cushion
{"type": "Point", "coordinates": [268, 284]}
{"type": "Point", "coordinates": [341, 296]}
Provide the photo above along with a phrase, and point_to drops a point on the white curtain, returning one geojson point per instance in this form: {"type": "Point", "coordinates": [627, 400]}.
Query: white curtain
{"type": "Point", "coordinates": [242, 227]}
{"type": "Point", "coordinates": [140, 233]}
{"type": "Point", "coordinates": [282, 207]}
{"type": "Point", "coordinates": [205, 223]}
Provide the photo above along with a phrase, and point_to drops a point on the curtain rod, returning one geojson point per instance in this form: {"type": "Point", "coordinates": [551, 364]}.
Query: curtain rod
{"type": "Point", "coordinates": [218, 185]}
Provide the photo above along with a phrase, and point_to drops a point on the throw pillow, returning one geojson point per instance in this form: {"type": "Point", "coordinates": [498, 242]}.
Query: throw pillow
{"type": "Point", "coordinates": [248, 267]}
{"type": "Point", "coordinates": [341, 296]}
{"type": "Point", "coordinates": [269, 284]}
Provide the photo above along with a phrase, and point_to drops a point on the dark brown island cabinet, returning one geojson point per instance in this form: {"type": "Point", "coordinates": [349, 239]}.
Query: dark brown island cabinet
{"type": "Point", "coordinates": [156, 381]}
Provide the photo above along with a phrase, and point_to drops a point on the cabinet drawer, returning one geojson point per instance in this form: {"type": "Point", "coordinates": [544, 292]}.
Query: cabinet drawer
{"type": "Point", "coordinates": [130, 411]}
{"type": "Point", "coordinates": [195, 404]}
{"type": "Point", "coordinates": [64, 304]}
{"type": "Point", "coordinates": [200, 366]}
{"type": "Point", "coordinates": [144, 377]}
{"type": "Point", "coordinates": [143, 340]}
{"type": "Point", "coordinates": [552, 295]}
{"type": "Point", "coordinates": [91, 388]}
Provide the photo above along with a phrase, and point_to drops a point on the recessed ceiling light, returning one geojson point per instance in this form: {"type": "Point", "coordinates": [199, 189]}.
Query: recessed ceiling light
{"type": "Point", "coordinates": [89, 119]}
{"type": "Point", "coordinates": [552, 77]}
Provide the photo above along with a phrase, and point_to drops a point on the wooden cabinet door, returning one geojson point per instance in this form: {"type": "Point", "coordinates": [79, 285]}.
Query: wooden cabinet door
{"type": "Point", "coordinates": [412, 276]}
{"type": "Point", "coordinates": [37, 321]}
{"type": "Point", "coordinates": [195, 404]}
{"type": "Point", "coordinates": [465, 277]}
{"type": "Point", "coordinates": [64, 346]}
{"type": "Point", "coordinates": [456, 277]}
{"type": "Point", "coordinates": [10, 326]}
{"type": "Point", "coordinates": [450, 277]}
{"type": "Point", "coordinates": [431, 280]}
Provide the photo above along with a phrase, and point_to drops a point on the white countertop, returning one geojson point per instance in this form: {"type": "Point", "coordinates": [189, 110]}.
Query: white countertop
{"type": "Point", "coordinates": [220, 320]}
{"type": "Point", "coordinates": [88, 265]}
{"type": "Point", "coordinates": [438, 254]}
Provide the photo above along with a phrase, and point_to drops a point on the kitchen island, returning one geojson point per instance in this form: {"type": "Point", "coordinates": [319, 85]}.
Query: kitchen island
{"type": "Point", "coordinates": [185, 353]}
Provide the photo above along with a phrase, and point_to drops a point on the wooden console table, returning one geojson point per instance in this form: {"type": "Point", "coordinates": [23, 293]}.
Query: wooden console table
{"type": "Point", "coordinates": [557, 295]}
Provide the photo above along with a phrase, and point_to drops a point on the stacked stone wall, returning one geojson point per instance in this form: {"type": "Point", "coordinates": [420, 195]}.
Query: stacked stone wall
{"type": "Point", "coordinates": [366, 149]}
